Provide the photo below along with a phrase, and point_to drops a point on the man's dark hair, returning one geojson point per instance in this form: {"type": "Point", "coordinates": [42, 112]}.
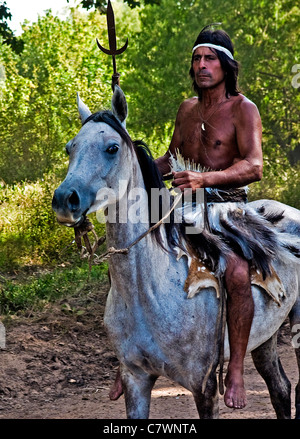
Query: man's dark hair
{"type": "Point", "coordinates": [230, 66]}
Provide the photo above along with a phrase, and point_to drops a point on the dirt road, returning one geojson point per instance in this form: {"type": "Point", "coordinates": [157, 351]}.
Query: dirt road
{"type": "Point", "coordinates": [58, 365]}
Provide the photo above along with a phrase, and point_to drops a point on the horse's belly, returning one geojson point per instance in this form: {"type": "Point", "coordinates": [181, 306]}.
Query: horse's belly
{"type": "Point", "coordinates": [172, 343]}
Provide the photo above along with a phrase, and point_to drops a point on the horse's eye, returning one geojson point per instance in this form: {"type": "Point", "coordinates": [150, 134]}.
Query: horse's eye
{"type": "Point", "coordinates": [112, 149]}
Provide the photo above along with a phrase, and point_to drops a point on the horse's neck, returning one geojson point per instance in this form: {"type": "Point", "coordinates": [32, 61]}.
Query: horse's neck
{"type": "Point", "coordinates": [120, 234]}
{"type": "Point", "coordinates": [131, 217]}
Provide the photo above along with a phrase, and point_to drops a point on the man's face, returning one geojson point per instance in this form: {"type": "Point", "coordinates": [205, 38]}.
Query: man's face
{"type": "Point", "coordinates": [207, 68]}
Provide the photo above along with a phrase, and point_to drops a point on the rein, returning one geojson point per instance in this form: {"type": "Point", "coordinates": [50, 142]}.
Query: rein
{"type": "Point", "coordinates": [89, 250]}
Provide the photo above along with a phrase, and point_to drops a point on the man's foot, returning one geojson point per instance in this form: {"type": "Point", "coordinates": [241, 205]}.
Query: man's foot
{"type": "Point", "coordinates": [117, 389]}
{"type": "Point", "coordinates": [235, 395]}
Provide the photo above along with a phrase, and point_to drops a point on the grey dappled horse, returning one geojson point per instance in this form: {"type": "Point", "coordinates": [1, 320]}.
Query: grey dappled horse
{"type": "Point", "coordinates": [154, 328]}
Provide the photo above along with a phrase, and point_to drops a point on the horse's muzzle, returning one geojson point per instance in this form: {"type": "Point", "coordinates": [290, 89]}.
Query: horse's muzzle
{"type": "Point", "coordinates": [67, 206]}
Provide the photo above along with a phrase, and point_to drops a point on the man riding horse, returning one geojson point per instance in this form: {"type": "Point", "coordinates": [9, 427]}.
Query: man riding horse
{"type": "Point", "coordinates": [220, 129]}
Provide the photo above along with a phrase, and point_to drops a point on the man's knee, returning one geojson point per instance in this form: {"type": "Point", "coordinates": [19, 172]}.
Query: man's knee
{"type": "Point", "coordinates": [237, 277]}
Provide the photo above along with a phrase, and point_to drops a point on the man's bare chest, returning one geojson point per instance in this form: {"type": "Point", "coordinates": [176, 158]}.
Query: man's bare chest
{"type": "Point", "coordinates": [211, 143]}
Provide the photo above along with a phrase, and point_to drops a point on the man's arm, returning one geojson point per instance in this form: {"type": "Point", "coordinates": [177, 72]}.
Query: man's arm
{"type": "Point", "coordinates": [163, 163]}
{"type": "Point", "coordinates": [244, 171]}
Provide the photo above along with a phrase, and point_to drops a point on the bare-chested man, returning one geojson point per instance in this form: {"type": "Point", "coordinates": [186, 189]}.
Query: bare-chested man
{"type": "Point", "coordinates": [221, 130]}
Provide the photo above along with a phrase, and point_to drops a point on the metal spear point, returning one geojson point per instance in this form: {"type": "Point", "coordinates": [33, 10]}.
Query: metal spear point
{"type": "Point", "coordinates": [112, 38]}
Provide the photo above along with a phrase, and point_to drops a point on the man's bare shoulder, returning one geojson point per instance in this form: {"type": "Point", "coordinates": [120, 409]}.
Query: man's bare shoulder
{"type": "Point", "coordinates": [245, 115]}
{"type": "Point", "coordinates": [187, 106]}
{"type": "Point", "coordinates": [242, 103]}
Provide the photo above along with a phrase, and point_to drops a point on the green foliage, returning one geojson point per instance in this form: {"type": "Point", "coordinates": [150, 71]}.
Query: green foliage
{"type": "Point", "coordinates": [4, 16]}
{"type": "Point", "coordinates": [29, 232]}
{"type": "Point", "coordinates": [5, 32]}
{"type": "Point", "coordinates": [38, 99]}
{"type": "Point", "coordinates": [101, 4]}
{"type": "Point", "coordinates": [39, 289]}
{"type": "Point", "coordinates": [266, 46]}
{"type": "Point", "coordinates": [38, 113]}
{"type": "Point", "coordinates": [32, 241]}
{"type": "Point", "coordinates": [283, 186]}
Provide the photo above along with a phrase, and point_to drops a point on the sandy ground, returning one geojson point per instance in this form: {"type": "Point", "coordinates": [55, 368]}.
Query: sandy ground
{"type": "Point", "coordinates": [58, 365]}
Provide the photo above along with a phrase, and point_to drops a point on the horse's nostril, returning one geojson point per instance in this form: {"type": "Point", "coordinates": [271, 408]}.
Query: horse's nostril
{"type": "Point", "coordinates": [73, 201]}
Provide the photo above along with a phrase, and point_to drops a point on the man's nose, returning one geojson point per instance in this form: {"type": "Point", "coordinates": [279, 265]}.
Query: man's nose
{"type": "Point", "coordinates": [202, 64]}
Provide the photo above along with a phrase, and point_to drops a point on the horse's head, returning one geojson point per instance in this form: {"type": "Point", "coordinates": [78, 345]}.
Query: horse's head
{"type": "Point", "coordinates": [96, 155]}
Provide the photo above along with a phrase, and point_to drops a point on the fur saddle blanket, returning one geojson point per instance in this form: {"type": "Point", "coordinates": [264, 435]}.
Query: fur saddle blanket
{"type": "Point", "coordinates": [224, 222]}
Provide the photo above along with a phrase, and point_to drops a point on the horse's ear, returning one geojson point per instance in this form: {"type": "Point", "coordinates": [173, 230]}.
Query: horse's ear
{"type": "Point", "coordinates": [84, 112]}
{"type": "Point", "coordinates": [119, 105]}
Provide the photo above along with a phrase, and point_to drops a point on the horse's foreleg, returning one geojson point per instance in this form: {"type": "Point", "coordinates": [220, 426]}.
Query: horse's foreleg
{"type": "Point", "coordinates": [207, 400]}
{"type": "Point", "coordinates": [137, 388]}
{"type": "Point", "coordinates": [268, 364]}
{"type": "Point", "coordinates": [295, 329]}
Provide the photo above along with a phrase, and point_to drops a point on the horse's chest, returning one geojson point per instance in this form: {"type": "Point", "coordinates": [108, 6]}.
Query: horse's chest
{"type": "Point", "coordinates": [139, 333]}
{"type": "Point", "coordinates": [133, 342]}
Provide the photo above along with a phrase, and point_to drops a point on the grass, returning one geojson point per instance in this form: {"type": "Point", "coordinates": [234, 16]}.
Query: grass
{"type": "Point", "coordinates": [33, 291]}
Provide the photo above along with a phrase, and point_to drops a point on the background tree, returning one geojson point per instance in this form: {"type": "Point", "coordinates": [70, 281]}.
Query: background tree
{"type": "Point", "coordinates": [5, 31]}
{"type": "Point", "coordinates": [38, 106]}
{"type": "Point", "coordinates": [101, 4]}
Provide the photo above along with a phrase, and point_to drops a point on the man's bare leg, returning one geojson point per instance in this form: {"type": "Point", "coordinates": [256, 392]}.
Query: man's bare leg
{"type": "Point", "coordinates": [240, 310]}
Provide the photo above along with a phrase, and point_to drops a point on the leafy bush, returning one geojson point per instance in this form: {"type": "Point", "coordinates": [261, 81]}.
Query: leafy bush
{"type": "Point", "coordinates": [29, 232]}
{"type": "Point", "coordinates": [40, 289]}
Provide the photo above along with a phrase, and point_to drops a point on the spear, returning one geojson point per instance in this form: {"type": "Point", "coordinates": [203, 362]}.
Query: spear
{"type": "Point", "coordinates": [113, 51]}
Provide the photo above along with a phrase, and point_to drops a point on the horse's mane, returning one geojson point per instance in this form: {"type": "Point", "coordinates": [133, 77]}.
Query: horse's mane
{"type": "Point", "coordinates": [153, 179]}
{"type": "Point", "coordinates": [110, 119]}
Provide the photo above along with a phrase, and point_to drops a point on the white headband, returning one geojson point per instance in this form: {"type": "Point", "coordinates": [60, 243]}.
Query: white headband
{"type": "Point", "coordinates": [214, 46]}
